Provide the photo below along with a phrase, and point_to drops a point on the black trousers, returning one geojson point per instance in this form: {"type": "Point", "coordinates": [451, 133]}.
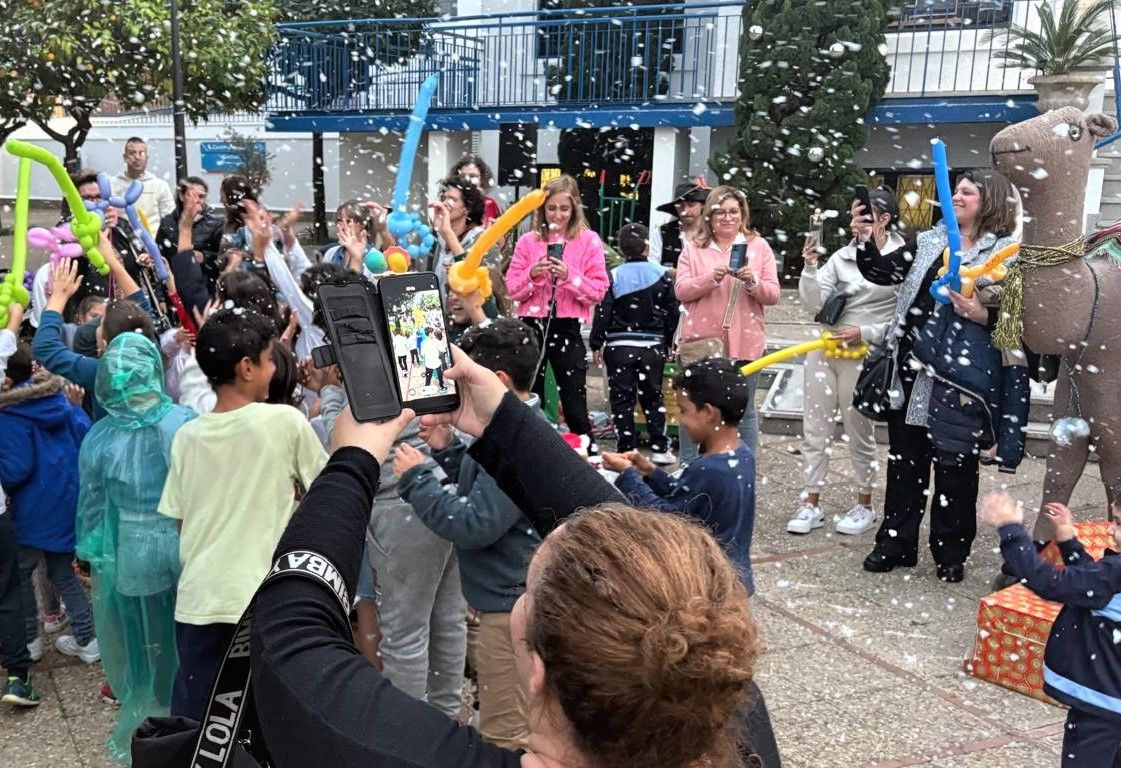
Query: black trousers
{"type": "Point", "coordinates": [201, 650]}
{"type": "Point", "coordinates": [636, 372]}
{"type": "Point", "coordinates": [1090, 740]}
{"type": "Point", "coordinates": [13, 630]}
{"type": "Point", "coordinates": [565, 351]}
{"type": "Point", "coordinates": [953, 514]}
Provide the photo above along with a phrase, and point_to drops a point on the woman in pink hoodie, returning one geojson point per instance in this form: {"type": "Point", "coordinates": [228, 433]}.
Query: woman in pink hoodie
{"type": "Point", "coordinates": [705, 285]}
{"type": "Point", "coordinates": [557, 276]}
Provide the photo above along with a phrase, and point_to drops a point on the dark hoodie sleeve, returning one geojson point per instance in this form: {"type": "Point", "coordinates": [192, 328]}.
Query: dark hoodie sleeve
{"type": "Point", "coordinates": [1013, 416]}
{"type": "Point", "coordinates": [546, 479]}
{"type": "Point", "coordinates": [884, 269]}
{"type": "Point", "coordinates": [319, 702]}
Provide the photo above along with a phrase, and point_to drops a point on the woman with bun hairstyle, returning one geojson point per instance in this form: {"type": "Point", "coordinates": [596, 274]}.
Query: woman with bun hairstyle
{"type": "Point", "coordinates": [830, 381]}
{"type": "Point", "coordinates": [633, 641]}
{"type": "Point", "coordinates": [557, 276]}
{"type": "Point", "coordinates": [707, 289]}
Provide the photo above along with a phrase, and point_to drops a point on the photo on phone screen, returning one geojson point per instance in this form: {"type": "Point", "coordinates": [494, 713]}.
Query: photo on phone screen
{"type": "Point", "coordinates": [414, 316]}
{"type": "Point", "coordinates": [737, 257]}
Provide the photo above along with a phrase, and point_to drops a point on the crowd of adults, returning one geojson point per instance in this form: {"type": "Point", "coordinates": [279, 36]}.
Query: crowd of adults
{"type": "Point", "coordinates": [628, 639]}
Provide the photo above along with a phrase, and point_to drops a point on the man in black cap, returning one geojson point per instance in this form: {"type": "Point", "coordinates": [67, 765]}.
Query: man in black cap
{"type": "Point", "coordinates": [687, 205]}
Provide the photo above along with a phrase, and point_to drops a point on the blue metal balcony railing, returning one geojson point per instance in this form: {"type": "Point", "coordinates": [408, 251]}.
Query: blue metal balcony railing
{"type": "Point", "coordinates": [674, 54]}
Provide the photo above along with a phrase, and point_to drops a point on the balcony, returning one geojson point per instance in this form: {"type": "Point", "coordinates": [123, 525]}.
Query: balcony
{"type": "Point", "coordinates": [674, 64]}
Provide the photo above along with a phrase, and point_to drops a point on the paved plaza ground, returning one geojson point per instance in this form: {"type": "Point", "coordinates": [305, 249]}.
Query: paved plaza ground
{"type": "Point", "coordinates": [861, 670]}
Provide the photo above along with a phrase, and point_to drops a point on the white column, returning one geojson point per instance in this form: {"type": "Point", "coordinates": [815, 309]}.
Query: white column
{"type": "Point", "coordinates": [441, 155]}
{"type": "Point", "coordinates": [670, 168]}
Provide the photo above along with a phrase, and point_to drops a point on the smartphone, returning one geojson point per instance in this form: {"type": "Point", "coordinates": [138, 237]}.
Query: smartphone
{"type": "Point", "coordinates": [414, 315]}
{"type": "Point", "coordinates": [737, 257]}
{"type": "Point", "coordinates": [361, 347]}
{"type": "Point", "coordinates": [863, 198]}
{"type": "Point", "coordinates": [555, 251]}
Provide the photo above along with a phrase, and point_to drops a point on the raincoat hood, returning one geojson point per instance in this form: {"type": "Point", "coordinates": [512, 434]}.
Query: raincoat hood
{"type": "Point", "coordinates": [129, 382]}
{"type": "Point", "coordinates": [35, 401]}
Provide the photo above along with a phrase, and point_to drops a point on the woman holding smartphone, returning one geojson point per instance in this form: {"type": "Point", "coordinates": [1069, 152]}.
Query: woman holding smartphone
{"type": "Point", "coordinates": [557, 275]}
{"type": "Point", "coordinates": [725, 304]}
{"type": "Point", "coordinates": [864, 316]}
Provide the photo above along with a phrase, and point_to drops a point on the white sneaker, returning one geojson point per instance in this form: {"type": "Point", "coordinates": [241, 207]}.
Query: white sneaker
{"type": "Point", "coordinates": [53, 622]}
{"type": "Point", "coordinates": [35, 648]}
{"type": "Point", "coordinates": [89, 653]}
{"type": "Point", "coordinates": [806, 519]}
{"type": "Point", "coordinates": [858, 520]}
{"type": "Point", "coordinates": [663, 457]}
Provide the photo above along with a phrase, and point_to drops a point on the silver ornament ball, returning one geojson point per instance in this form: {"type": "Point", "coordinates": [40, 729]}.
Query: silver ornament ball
{"type": "Point", "coordinates": [815, 154]}
{"type": "Point", "coordinates": [1066, 430]}
{"type": "Point", "coordinates": [837, 50]}
{"type": "Point", "coordinates": [754, 32]}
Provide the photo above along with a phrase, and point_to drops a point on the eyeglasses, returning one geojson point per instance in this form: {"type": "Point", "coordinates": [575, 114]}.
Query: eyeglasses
{"type": "Point", "coordinates": [725, 213]}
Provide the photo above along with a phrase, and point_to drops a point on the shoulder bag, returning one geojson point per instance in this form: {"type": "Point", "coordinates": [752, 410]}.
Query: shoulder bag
{"type": "Point", "coordinates": [231, 737]}
{"type": "Point", "coordinates": [695, 350]}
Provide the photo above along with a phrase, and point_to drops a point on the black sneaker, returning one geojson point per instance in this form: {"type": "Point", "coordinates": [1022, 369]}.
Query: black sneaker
{"type": "Point", "coordinates": [952, 573]}
{"type": "Point", "coordinates": [21, 693]}
{"type": "Point", "coordinates": [878, 562]}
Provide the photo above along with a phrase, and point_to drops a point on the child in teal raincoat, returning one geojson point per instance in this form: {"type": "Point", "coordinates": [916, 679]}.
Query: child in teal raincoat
{"type": "Point", "coordinates": [133, 551]}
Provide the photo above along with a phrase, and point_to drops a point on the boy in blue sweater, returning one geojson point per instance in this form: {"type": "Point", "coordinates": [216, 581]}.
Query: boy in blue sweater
{"type": "Point", "coordinates": [493, 540]}
{"type": "Point", "coordinates": [1081, 664]}
{"type": "Point", "coordinates": [718, 488]}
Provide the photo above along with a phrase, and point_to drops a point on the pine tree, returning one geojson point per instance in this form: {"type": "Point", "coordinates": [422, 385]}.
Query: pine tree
{"type": "Point", "coordinates": [810, 71]}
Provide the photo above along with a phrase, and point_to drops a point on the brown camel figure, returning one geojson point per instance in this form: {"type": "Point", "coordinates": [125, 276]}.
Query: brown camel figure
{"type": "Point", "coordinates": [1069, 309]}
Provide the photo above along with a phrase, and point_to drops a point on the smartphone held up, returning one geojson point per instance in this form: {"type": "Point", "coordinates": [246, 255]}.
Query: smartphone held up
{"type": "Point", "coordinates": [390, 340]}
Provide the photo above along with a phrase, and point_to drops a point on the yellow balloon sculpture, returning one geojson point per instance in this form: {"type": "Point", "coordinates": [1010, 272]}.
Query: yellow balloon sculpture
{"type": "Point", "coordinates": [833, 347]}
{"type": "Point", "coordinates": [993, 268]}
{"type": "Point", "coordinates": [467, 276]}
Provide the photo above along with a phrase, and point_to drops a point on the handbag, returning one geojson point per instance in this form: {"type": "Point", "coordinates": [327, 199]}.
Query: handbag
{"type": "Point", "coordinates": [695, 350]}
{"type": "Point", "coordinates": [231, 738]}
{"type": "Point", "coordinates": [834, 306]}
{"type": "Point", "coordinates": [871, 396]}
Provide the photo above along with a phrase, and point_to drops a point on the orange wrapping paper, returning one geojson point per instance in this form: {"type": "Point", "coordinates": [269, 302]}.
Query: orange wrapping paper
{"type": "Point", "coordinates": [1012, 629]}
{"type": "Point", "coordinates": [1095, 537]}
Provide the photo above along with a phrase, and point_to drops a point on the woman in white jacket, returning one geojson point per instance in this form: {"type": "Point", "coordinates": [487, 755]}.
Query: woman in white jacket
{"type": "Point", "coordinates": [829, 382]}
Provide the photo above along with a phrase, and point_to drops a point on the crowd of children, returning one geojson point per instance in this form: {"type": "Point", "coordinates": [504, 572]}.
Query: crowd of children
{"type": "Point", "coordinates": [204, 439]}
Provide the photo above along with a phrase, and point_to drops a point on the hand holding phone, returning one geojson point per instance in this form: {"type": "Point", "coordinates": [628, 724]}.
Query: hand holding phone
{"type": "Point", "coordinates": [737, 257]}
{"type": "Point", "coordinates": [863, 199]}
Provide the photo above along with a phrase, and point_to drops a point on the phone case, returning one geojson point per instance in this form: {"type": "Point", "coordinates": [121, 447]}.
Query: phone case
{"type": "Point", "coordinates": [361, 347]}
{"type": "Point", "coordinates": [738, 257]}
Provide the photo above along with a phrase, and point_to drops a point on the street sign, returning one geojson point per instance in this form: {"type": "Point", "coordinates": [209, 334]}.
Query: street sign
{"type": "Point", "coordinates": [221, 156]}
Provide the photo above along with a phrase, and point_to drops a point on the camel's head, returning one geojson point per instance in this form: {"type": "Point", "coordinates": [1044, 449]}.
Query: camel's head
{"type": "Point", "coordinates": [1048, 159]}
{"type": "Point", "coordinates": [1059, 140]}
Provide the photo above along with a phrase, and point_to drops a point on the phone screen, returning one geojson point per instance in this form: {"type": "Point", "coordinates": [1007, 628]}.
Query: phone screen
{"type": "Point", "coordinates": [737, 257]}
{"type": "Point", "coordinates": [555, 251]}
{"type": "Point", "coordinates": [414, 316]}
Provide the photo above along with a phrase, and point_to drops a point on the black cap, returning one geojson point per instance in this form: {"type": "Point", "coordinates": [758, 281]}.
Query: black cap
{"type": "Point", "coordinates": [689, 192]}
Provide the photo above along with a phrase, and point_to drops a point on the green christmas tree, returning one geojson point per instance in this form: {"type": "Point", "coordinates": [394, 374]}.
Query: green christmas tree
{"type": "Point", "coordinates": [810, 72]}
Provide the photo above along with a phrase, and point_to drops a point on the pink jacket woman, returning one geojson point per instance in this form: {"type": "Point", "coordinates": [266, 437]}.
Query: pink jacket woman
{"type": "Point", "coordinates": [577, 294]}
{"type": "Point", "coordinates": [705, 300]}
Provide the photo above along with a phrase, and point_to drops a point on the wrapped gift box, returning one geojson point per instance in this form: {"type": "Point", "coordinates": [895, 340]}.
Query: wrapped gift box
{"type": "Point", "coordinates": [1012, 629]}
{"type": "Point", "coordinates": [1095, 537]}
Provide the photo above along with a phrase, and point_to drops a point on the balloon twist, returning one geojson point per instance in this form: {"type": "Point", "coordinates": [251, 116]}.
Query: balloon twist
{"type": "Point", "coordinates": [833, 347]}
{"type": "Point", "coordinates": [127, 203]}
{"type": "Point", "coordinates": [467, 276]}
{"type": "Point", "coordinates": [994, 268]}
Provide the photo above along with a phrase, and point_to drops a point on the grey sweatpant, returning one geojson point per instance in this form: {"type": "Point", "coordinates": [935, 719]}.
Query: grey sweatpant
{"type": "Point", "coordinates": [829, 384]}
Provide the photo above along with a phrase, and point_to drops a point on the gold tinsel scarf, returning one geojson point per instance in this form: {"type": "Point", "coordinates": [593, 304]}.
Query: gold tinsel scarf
{"type": "Point", "coordinates": [1010, 326]}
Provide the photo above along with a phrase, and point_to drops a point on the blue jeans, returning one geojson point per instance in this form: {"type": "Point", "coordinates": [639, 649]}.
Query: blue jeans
{"type": "Point", "coordinates": [60, 571]}
{"type": "Point", "coordinates": [749, 428]}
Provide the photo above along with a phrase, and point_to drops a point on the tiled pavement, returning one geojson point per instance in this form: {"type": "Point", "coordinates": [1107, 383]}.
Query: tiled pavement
{"type": "Point", "coordinates": [861, 670]}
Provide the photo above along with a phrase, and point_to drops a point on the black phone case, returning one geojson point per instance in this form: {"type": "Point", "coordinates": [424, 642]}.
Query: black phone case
{"type": "Point", "coordinates": [361, 347]}
{"type": "Point", "coordinates": [864, 199]}
{"type": "Point", "coordinates": [555, 251]}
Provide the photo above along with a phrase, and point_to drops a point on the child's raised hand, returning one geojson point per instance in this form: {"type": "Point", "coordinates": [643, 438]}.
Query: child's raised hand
{"type": "Point", "coordinates": [999, 509]}
{"type": "Point", "coordinates": [74, 394]}
{"type": "Point", "coordinates": [65, 282]}
{"type": "Point", "coordinates": [437, 436]}
{"type": "Point", "coordinates": [1061, 517]}
{"type": "Point", "coordinates": [616, 462]}
{"type": "Point", "coordinates": [406, 458]}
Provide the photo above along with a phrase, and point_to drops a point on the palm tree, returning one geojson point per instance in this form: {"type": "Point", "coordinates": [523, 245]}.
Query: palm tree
{"type": "Point", "coordinates": [1059, 47]}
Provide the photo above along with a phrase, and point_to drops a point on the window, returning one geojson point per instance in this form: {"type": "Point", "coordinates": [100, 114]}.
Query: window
{"type": "Point", "coordinates": [954, 13]}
